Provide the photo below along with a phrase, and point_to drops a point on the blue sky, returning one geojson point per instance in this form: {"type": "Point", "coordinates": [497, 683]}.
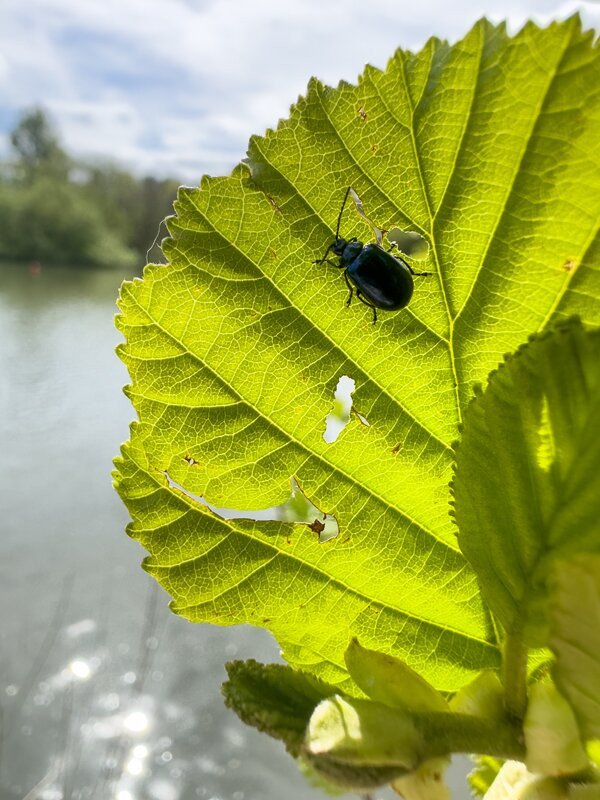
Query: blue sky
{"type": "Point", "coordinates": [176, 87]}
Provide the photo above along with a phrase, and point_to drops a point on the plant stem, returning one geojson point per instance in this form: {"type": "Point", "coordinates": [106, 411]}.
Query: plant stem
{"type": "Point", "coordinates": [515, 675]}
{"type": "Point", "coordinates": [446, 733]}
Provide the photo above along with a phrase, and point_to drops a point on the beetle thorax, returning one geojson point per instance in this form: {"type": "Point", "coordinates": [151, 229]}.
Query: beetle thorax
{"type": "Point", "coordinates": [347, 251]}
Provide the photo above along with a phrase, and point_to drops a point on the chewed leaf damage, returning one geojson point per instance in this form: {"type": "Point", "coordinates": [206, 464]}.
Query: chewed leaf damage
{"type": "Point", "coordinates": [298, 509]}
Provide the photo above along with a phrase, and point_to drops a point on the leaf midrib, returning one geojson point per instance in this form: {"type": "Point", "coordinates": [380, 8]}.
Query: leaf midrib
{"type": "Point", "coordinates": [426, 197]}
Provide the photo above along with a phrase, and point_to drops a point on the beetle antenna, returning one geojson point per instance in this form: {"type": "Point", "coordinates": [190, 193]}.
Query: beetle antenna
{"type": "Point", "coordinates": [339, 222]}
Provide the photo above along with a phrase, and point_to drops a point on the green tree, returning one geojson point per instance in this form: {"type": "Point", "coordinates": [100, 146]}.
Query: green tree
{"type": "Point", "coordinates": [49, 221]}
{"type": "Point", "coordinates": [106, 216]}
{"type": "Point", "coordinates": [133, 208]}
{"type": "Point", "coordinates": [37, 147]}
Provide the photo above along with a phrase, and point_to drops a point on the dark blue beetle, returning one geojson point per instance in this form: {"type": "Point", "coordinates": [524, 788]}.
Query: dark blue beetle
{"type": "Point", "coordinates": [382, 280]}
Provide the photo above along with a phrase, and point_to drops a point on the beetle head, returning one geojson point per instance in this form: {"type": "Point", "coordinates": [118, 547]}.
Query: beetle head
{"type": "Point", "coordinates": [338, 246]}
{"type": "Point", "coordinates": [350, 250]}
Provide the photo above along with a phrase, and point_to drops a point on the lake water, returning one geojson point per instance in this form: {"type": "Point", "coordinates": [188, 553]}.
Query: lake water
{"type": "Point", "coordinates": [104, 693]}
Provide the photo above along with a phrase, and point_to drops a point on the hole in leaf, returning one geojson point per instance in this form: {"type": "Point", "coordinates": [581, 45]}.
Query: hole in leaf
{"type": "Point", "coordinates": [362, 418]}
{"type": "Point", "coordinates": [410, 243]}
{"type": "Point", "coordinates": [339, 415]}
{"type": "Point", "coordinates": [298, 509]}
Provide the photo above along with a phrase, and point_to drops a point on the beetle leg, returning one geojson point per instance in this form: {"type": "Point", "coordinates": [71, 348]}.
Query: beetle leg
{"type": "Point", "coordinates": [322, 260]}
{"type": "Point", "coordinates": [410, 269]}
{"type": "Point", "coordinates": [370, 305]}
{"type": "Point", "coordinates": [412, 272]}
{"type": "Point", "coordinates": [350, 288]}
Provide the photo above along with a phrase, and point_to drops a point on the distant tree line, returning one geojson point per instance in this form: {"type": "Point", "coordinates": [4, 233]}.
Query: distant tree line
{"type": "Point", "coordinates": [54, 208]}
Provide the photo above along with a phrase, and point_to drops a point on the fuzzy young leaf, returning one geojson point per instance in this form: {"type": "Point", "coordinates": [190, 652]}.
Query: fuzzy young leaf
{"type": "Point", "coordinates": [274, 698]}
{"type": "Point", "coordinates": [552, 739]}
{"type": "Point", "coordinates": [483, 697]}
{"type": "Point", "coordinates": [575, 637]}
{"type": "Point", "coordinates": [389, 680]}
{"type": "Point", "coordinates": [236, 345]}
{"type": "Point", "coordinates": [527, 484]}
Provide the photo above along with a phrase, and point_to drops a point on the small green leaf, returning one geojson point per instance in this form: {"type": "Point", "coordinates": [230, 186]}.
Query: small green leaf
{"type": "Point", "coordinates": [360, 743]}
{"type": "Point", "coordinates": [274, 698]}
{"type": "Point", "coordinates": [389, 680]}
{"type": "Point", "coordinates": [427, 782]}
{"type": "Point", "coordinates": [575, 637]}
{"type": "Point", "coordinates": [483, 697]}
{"type": "Point", "coordinates": [552, 739]}
{"type": "Point", "coordinates": [527, 483]}
{"type": "Point", "coordinates": [484, 774]}
{"type": "Point", "coordinates": [515, 782]}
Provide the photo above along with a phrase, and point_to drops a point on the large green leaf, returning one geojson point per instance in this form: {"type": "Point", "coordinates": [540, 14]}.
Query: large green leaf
{"type": "Point", "coordinates": [490, 150]}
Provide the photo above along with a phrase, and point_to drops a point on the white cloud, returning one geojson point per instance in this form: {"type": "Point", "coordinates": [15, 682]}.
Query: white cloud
{"type": "Point", "coordinates": [180, 85]}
